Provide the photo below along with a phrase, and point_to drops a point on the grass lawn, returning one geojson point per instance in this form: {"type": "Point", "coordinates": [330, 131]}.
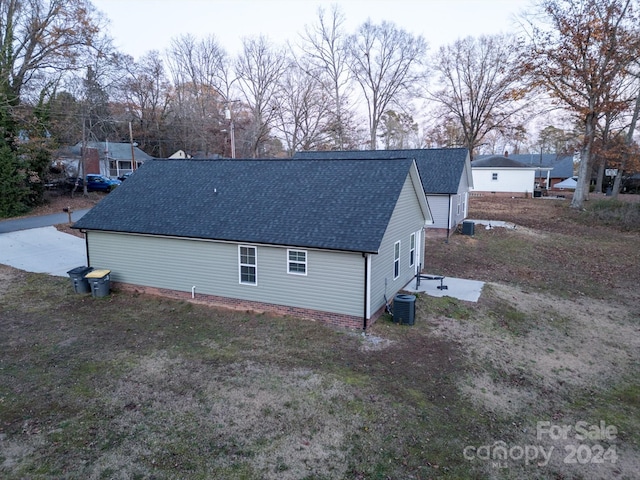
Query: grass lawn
{"type": "Point", "coordinates": [133, 386]}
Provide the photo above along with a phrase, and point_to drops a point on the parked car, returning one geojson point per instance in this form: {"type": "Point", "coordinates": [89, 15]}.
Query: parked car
{"type": "Point", "coordinates": [101, 183]}
{"type": "Point", "coordinates": [123, 177]}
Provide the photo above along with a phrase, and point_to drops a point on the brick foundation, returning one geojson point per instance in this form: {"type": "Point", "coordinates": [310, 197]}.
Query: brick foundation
{"type": "Point", "coordinates": [502, 194]}
{"type": "Point", "coordinates": [328, 318]}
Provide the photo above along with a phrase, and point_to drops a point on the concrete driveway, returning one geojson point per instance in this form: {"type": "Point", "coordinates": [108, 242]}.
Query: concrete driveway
{"type": "Point", "coordinates": [34, 245]}
{"type": "Point", "coordinates": [42, 250]}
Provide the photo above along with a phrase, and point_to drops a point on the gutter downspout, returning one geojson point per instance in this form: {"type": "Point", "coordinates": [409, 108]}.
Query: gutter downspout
{"type": "Point", "coordinates": [86, 245]}
{"type": "Point", "coordinates": [449, 219]}
{"type": "Point", "coordinates": [366, 291]}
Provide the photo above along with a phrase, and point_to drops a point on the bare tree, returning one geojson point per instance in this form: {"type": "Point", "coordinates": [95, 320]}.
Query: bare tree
{"type": "Point", "coordinates": [612, 141]}
{"type": "Point", "coordinates": [96, 110]}
{"type": "Point", "coordinates": [302, 110]}
{"type": "Point", "coordinates": [581, 55]}
{"type": "Point", "coordinates": [630, 145]}
{"type": "Point", "coordinates": [387, 64]}
{"type": "Point", "coordinates": [324, 46]}
{"type": "Point", "coordinates": [146, 93]}
{"type": "Point", "coordinates": [40, 40]}
{"type": "Point", "coordinates": [479, 85]}
{"type": "Point", "coordinates": [199, 68]}
{"type": "Point", "coordinates": [259, 68]}
{"type": "Point", "coordinates": [444, 132]}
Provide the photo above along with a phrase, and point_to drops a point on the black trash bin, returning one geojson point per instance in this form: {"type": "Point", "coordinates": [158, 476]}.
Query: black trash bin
{"type": "Point", "coordinates": [404, 309]}
{"type": "Point", "coordinates": [100, 282]}
{"type": "Point", "coordinates": [79, 283]}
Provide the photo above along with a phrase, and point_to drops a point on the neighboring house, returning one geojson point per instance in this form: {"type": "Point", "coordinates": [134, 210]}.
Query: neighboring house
{"type": "Point", "coordinates": [104, 158]}
{"type": "Point", "coordinates": [503, 176]}
{"type": "Point", "coordinates": [327, 240]}
{"type": "Point", "coordinates": [445, 174]}
{"type": "Point", "coordinates": [551, 168]}
{"type": "Point", "coordinates": [179, 154]}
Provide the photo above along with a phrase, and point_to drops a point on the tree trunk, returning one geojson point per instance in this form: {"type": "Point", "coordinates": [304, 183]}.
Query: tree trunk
{"type": "Point", "coordinates": [582, 188]}
{"type": "Point", "coordinates": [623, 161]}
{"type": "Point", "coordinates": [600, 177]}
{"type": "Point", "coordinates": [618, 179]}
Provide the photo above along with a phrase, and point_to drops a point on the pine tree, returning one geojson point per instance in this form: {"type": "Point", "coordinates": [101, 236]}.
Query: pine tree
{"type": "Point", "coordinates": [14, 192]}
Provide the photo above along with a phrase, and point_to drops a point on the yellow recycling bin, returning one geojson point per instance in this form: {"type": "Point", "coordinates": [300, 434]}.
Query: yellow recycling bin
{"type": "Point", "coordinates": [100, 282]}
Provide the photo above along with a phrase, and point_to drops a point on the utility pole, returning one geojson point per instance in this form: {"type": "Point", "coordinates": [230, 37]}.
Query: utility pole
{"type": "Point", "coordinates": [227, 114]}
{"type": "Point", "coordinates": [81, 167]}
{"type": "Point", "coordinates": [133, 155]}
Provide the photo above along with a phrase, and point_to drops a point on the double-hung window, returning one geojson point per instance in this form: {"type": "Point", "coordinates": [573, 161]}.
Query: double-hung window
{"type": "Point", "coordinates": [412, 249]}
{"type": "Point", "coordinates": [494, 176]}
{"type": "Point", "coordinates": [248, 265]}
{"type": "Point", "coordinates": [396, 260]}
{"type": "Point", "coordinates": [297, 262]}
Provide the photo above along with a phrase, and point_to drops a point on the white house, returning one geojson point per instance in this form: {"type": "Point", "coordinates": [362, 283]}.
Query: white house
{"type": "Point", "coordinates": [503, 176]}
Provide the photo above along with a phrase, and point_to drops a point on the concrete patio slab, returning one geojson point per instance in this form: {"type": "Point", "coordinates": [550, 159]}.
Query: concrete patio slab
{"type": "Point", "coordinates": [468, 290]}
{"type": "Point", "coordinates": [489, 224]}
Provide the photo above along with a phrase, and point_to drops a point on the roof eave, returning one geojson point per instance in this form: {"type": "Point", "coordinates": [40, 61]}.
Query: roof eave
{"type": "Point", "coordinates": [414, 175]}
{"type": "Point", "coordinates": [226, 240]}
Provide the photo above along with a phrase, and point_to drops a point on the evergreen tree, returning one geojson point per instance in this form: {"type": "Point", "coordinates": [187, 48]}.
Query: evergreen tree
{"type": "Point", "coordinates": [14, 193]}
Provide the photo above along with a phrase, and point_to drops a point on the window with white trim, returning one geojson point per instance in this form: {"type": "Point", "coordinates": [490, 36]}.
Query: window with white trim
{"type": "Point", "coordinates": [297, 262]}
{"type": "Point", "coordinates": [396, 260]}
{"type": "Point", "coordinates": [412, 249]}
{"type": "Point", "coordinates": [248, 265]}
{"type": "Point", "coordinates": [494, 176]}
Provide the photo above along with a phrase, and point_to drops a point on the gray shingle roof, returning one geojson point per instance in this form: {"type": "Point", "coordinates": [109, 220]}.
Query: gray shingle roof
{"type": "Point", "coordinates": [498, 161]}
{"type": "Point", "coordinates": [562, 165]}
{"type": "Point", "coordinates": [340, 205]}
{"type": "Point", "coordinates": [440, 168]}
{"type": "Point", "coordinates": [115, 150]}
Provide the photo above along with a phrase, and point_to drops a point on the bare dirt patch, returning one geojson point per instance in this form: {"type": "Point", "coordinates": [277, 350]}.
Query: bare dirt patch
{"type": "Point", "coordinates": [567, 345]}
{"type": "Point", "coordinates": [7, 276]}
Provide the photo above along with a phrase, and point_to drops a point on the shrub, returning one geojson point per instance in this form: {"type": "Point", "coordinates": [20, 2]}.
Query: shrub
{"type": "Point", "coordinates": [616, 213]}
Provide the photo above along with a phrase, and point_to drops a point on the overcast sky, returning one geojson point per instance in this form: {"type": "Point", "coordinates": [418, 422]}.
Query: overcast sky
{"type": "Point", "coordinates": [138, 26]}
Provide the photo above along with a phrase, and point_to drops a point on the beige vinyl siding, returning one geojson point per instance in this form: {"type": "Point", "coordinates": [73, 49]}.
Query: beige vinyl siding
{"type": "Point", "coordinates": [407, 218]}
{"type": "Point", "coordinates": [334, 280]}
